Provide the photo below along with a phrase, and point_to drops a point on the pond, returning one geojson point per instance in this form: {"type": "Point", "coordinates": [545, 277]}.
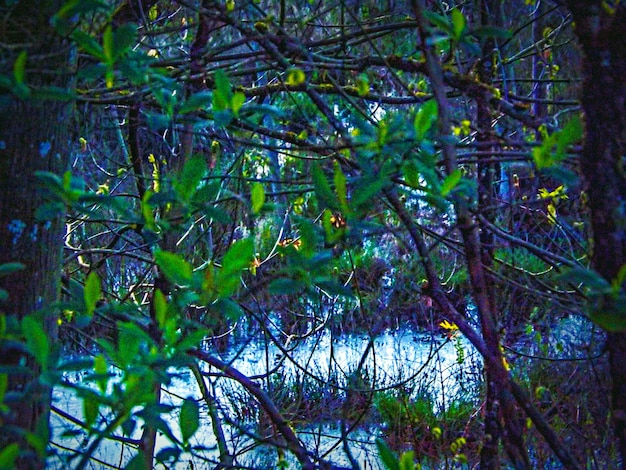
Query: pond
{"type": "Point", "coordinates": [325, 385]}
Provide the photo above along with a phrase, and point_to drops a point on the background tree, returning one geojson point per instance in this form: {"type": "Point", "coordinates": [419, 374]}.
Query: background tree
{"type": "Point", "coordinates": [602, 159]}
{"type": "Point", "coordinates": [36, 117]}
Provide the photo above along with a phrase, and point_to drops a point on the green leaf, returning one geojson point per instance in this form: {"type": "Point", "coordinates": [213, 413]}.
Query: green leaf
{"type": "Point", "coordinates": [76, 7]}
{"type": "Point", "coordinates": [341, 188]}
{"type": "Point", "coordinates": [252, 108]}
{"type": "Point", "coordinates": [138, 462]}
{"type": "Point", "coordinates": [93, 291]}
{"type": "Point", "coordinates": [206, 193]}
{"type": "Point", "coordinates": [167, 455]}
{"type": "Point", "coordinates": [368, 187]}
{"type": "Point", "coordinates": [36, 340]}
{"type": "Point", "coordinates": [4, 383]}
{"type": "Point", "coordinates": [610, 321]}
{"type": "Point", "coordinates": [131, 340]}
{"type": "Point", "coordinates": [308, 237]}
{"type": "Point", "coordinates": [237, 258]}
{"type": "Point", "coordinates": [324, 193]}
{"type": "Point", "coordinates": [410, 171]}
{"type": "Point", "coordinates": [587, 277]}
{"type": "Point", "coordinates": [333, 233]}
{"type": "Point", "coordinates": [237, 102]}
{"type": "Point", "coordinates": [491, 31]}
{"type": "Point", "coordinates": [189, 419]}
{"type": "Point", "coordinates": [363, 85]}
{"type": "Point", "coordinates": [192, 173]}
{"type": "Point", "coordinates": [389, 459]}
{"type": "Point", "coordinates": [197, 102]}
{"type": "Point", "coordinates": [542, 155]}
{"type": "Point", "coordinates": [424, 119]}
{"type": "Point", "coordinates": [332, 287]}
{"type": "Point", "coordinates": [124, 38]}
{"type": "Point", "coordinates": [109, 349]}
{"type": "Point", "coordinates": [50, 211]}
{"type": "Point", "coordinates": [554, 147]}
{"type": "Point", "coordinates": [450, 182]}
{"type": "Point", "coordinates": [39, 439]}
{"type": "Point", "coordinates": [107, 45]}
{"type": "Point", "coordinates": [571, 133]}
{"type": "Point", "coordinates": [160, 308]}
{"type": "Point", "coordinates": [152, 417]}
{"type": "Point", "coordinates": [50, 181]}
{"type": "Point", "coordinates": [109, 77]}
{"type": "Point", "coordinates": [147, 211]}
{"type": "Point", "coordinates": [295, 76]}
{"type": "Point", "coordinates": [174, 267]}
{"type": "Point", "coordinates": [407, 460]}
{"type": "Point", "coordinates": [223, 118]}
{"type": "Point", "coordinates": [128, 426]}
{"type": "Point", "coordinates": [91, 408]}
{"type": "Point", "coordinates": [216, 214]}
{"type": "Point", "coordinates": [21, 90]}
{"type": "Point", "coordinates": [88, 43]}
{"type": "Point", "coordinates": [158, 121]}
{"type": "Point", "coordinates": [222, 94]}
{"type": "Point", "coordinates": [193, 339]}
{"type": "Point", "coordinates": [458, 23]}
{"type": "Point", "coordinates": [616, 284]}
{"type": "Point", "coordinates": [257, 196]}
{"type": "Point", "coordinates": [19, 68]}
{"type": "Point", "coordinates": [101, 369]}
{"type": "Point", "coordinates": [439, 21]}
{"type": "Point", "coordinates": [10, 268]}
{"type": "Point", "coordinates": [286, 286]}
{"type": "Point", "coordinates": [8, 456]}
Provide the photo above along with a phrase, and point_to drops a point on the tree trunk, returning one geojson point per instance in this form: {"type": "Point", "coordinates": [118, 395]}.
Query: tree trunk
{"type": "Point", "coordinates": [33, 137]}
{"type": "Point", "coordinates": [496, 375]}
{"type": "Point", "coordinates": [489, 454]}
{"type": "Point", "coordinates": [600, 32]}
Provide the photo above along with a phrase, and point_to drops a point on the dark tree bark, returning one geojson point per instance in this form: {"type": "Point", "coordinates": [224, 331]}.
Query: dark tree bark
{"type": "Point", "coordinates": [489, 454]}
{"type": "Point", "coordinates": [500, 401]}
{"type": "Point", "coordinates": [600, 31]}
{"type": "Point", "coordinates": [33, 137]}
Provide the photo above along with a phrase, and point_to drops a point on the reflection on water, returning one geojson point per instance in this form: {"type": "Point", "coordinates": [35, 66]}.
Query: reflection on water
{"type": "Point", "coordinates": [445, 368]}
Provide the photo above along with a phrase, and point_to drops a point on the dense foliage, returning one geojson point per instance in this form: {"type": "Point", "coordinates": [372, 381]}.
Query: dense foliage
{"type": "Point", "coordinates": [181, 179]}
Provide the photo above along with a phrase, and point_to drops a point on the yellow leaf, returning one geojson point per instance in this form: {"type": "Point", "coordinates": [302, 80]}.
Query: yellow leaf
{"type": "Point", "coordinates": [551, 213]}
{"type": "Point", "coordinates": [363, 85]}
{"type": "Point", "coordinates": [505, 363]}
{"type": "Point", "coordinates": [446, 325]}
{"type": "Point", "coordinates": [295, 77]}
{"type": "Point", "coordinates": [153, 13]}
{"type": "Point", "coordinates": [558, 194]}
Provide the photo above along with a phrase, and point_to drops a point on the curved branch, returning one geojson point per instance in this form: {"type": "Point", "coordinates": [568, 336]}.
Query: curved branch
{"type": "Point", "coordinates": [265, 402]}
